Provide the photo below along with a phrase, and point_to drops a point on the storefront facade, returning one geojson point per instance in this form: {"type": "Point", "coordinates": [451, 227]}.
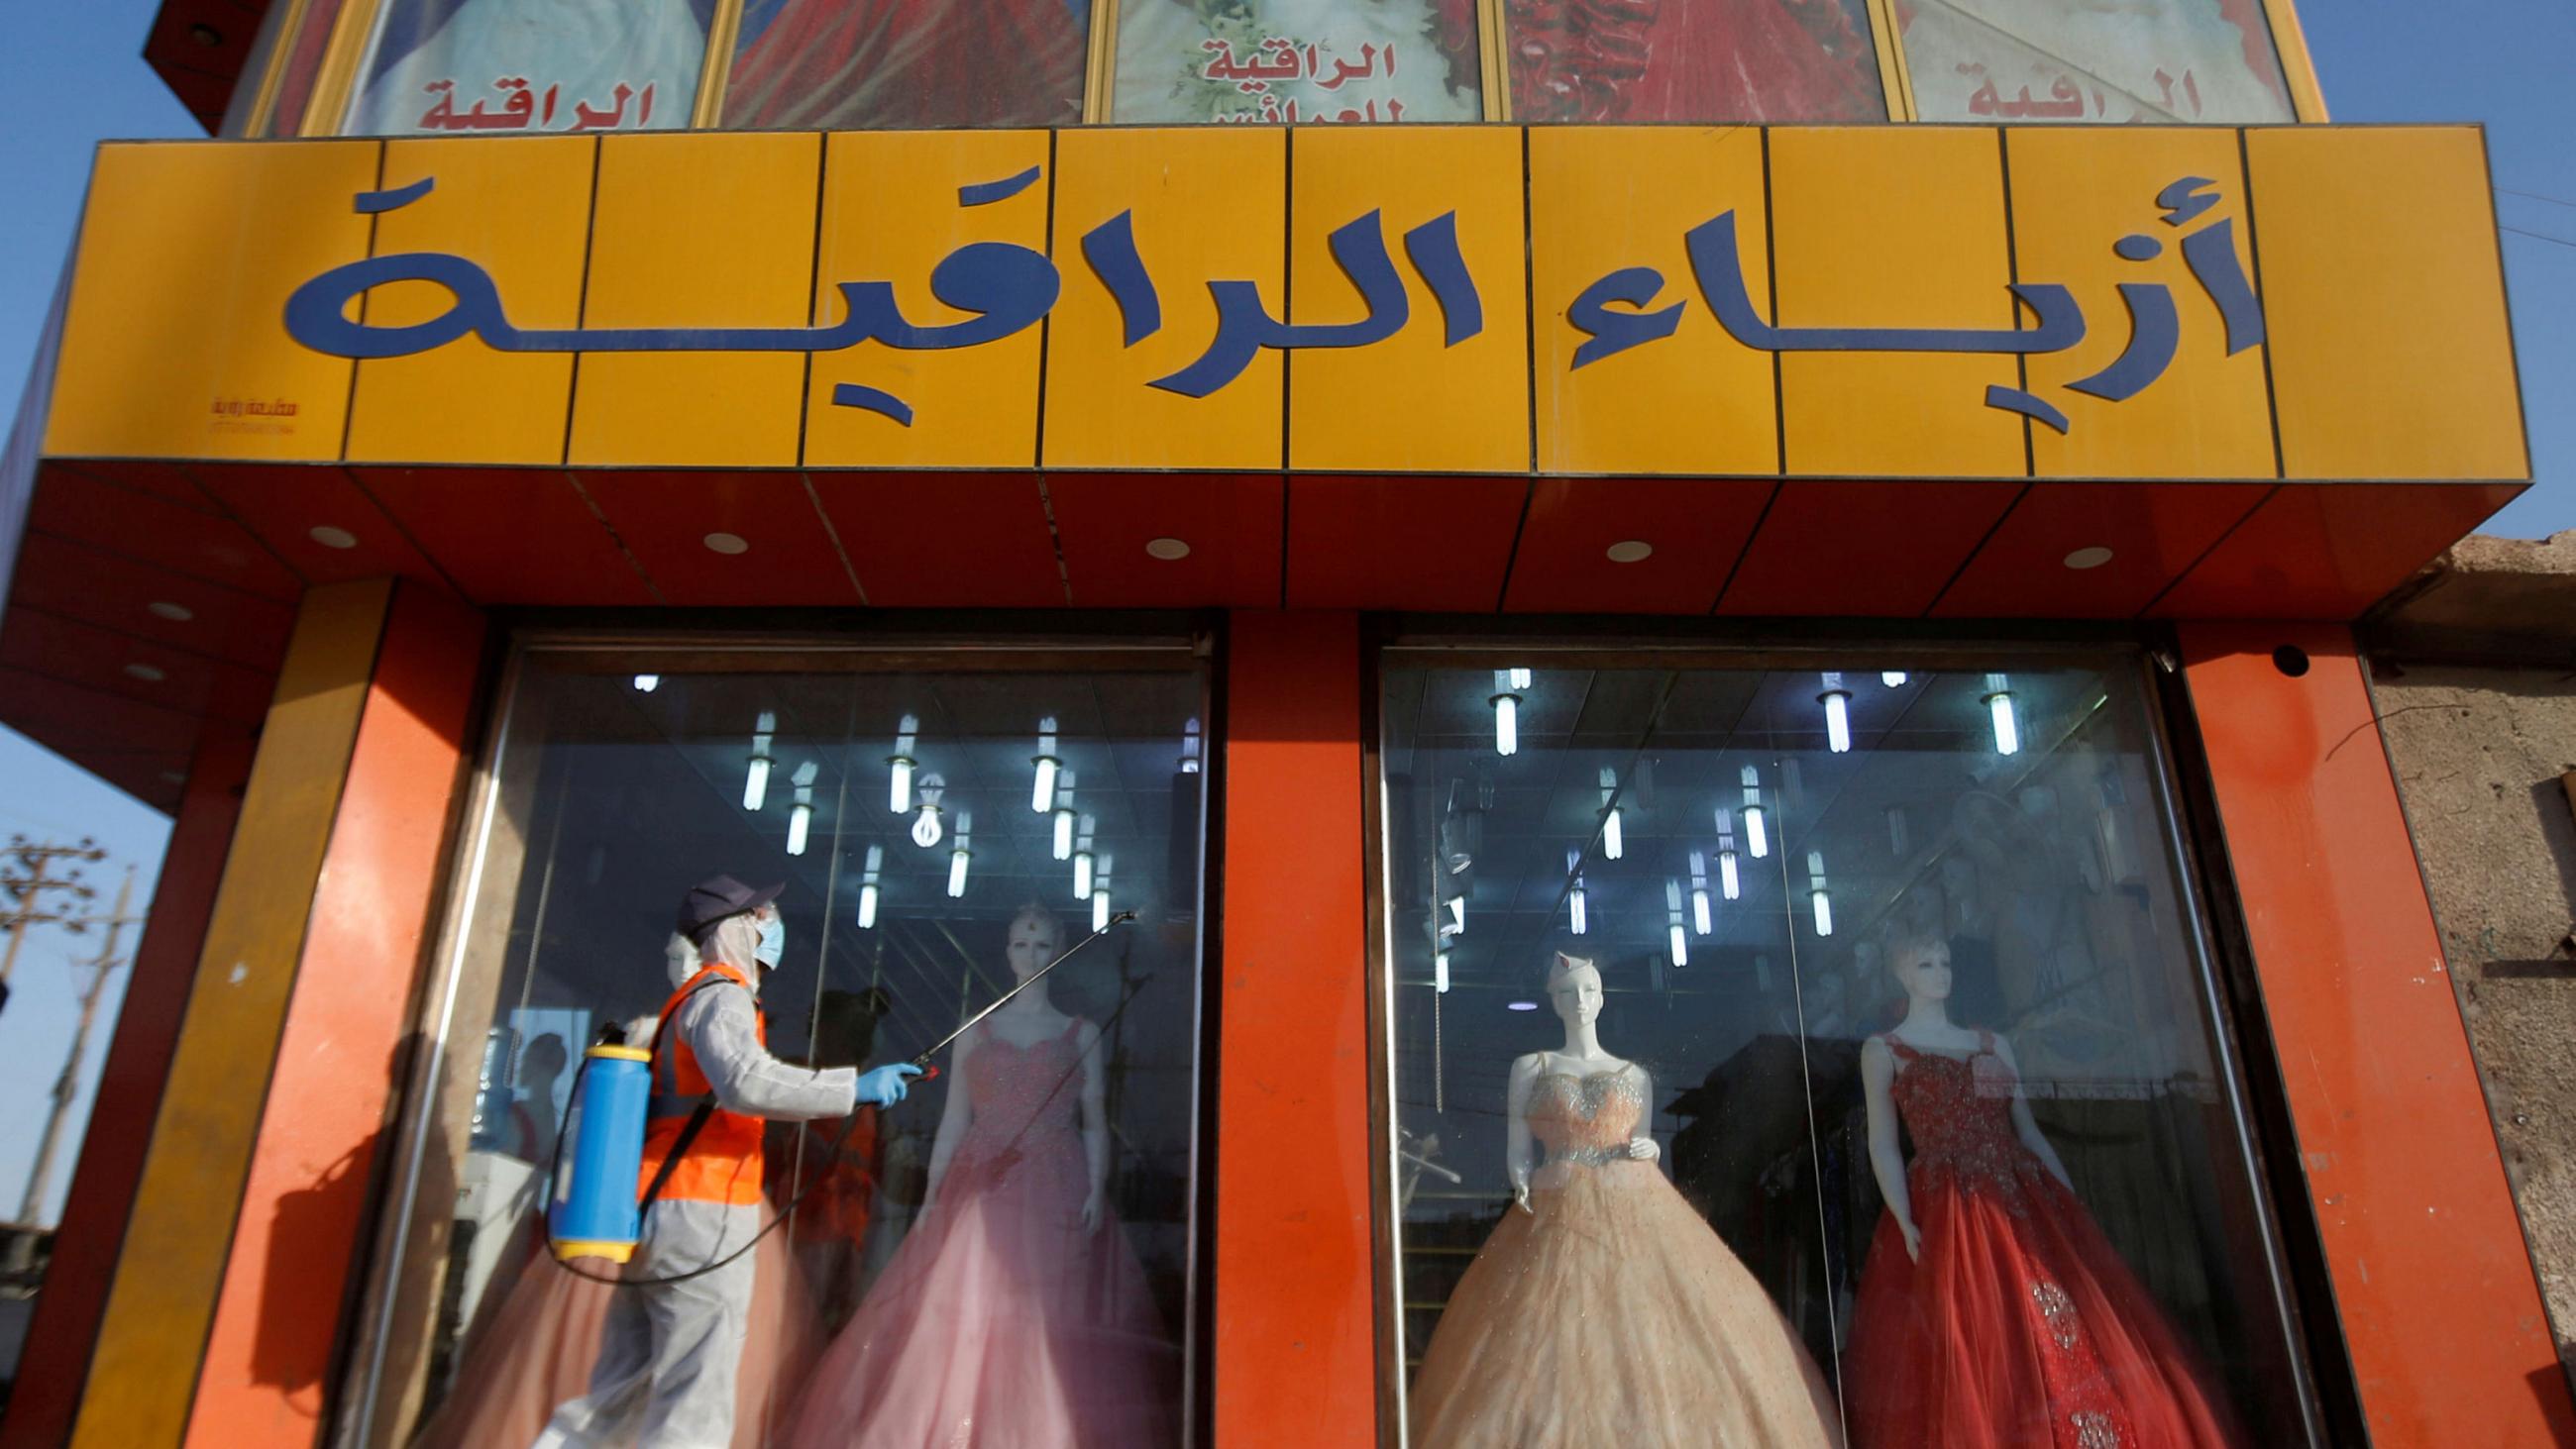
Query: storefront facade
{"type": "Point", "coordinates": [1778, 541]}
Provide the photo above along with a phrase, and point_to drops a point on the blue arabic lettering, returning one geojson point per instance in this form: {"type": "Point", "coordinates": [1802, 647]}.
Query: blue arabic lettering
{"type": "Point", "coordinates": [1244, 326]}
{"type": "Point", "coordinates": [1720, 273]}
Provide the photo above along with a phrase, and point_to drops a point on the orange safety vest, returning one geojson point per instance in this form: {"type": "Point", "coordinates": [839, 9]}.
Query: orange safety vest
{"type": "Point", "coordinates": [723, 1163]}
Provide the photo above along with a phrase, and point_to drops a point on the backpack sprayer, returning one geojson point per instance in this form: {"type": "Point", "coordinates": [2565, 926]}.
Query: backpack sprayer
{"type": "Point", "coordinates": [595, 1211]}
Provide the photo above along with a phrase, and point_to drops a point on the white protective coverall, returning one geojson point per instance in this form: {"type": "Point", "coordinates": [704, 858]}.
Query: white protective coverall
{"type": "Point", "coordinates": [668, 1352]}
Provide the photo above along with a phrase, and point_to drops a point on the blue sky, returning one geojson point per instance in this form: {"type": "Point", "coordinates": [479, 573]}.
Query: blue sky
{"type": "Point", "coordinates": [72, 75]}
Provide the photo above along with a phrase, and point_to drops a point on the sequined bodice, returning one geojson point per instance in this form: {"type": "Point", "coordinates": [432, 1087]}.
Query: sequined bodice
{"type": "Point", "coordinates": [1587, 1118]}
{"type": "Point", "coordinates": [1022, 1092]}
{"type": "Point", "coordinates": [1959, 1112]}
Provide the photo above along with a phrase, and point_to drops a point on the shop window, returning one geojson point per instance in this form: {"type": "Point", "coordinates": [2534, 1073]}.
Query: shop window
{"type": "Point", "coordinates": [1775, 1049]}
{"type": "Point", "coordinates": [2164, 62]}
{"type": "Point", "coordinates": [1010, 1245]}
{"type": "Point", "coordinates": [908, 64]}
{"type": "Point", "coordinates": [495, 67]}
{"type": "Point", "coordinates": [1785, 61]}
{"type": "Point", "coordinates": [1297, 61]}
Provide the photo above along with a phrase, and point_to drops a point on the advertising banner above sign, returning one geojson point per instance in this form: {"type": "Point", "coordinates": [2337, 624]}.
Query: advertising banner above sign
{"type": "Point", "coordinates": [1884, 302]}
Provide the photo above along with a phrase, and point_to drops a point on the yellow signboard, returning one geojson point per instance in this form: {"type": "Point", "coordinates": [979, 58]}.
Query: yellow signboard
{"type": "Point", "coordinates": [1870, 302]}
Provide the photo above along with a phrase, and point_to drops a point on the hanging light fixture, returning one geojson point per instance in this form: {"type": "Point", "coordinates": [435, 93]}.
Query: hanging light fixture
{"type": "Point", "coordinates": [1612, 845]}
{"type": "Point", "coordinates": [1702, 919]}
{"type": "Point", "coordinates": [1042, 790]}
{"type": "Point", "coordinates": [1082, 862]}
{"type": "Point", "coordinates": [1457, 915]}
{"type": "Point", "coordinates": [1100, 909]}
{"type": "Point", "coordinates": [1816, 894]}
{"type": "Point", "coordinates": [1190, 748]}
{"type": "Point", "coordinates": [1063, 833]}
{"type": "Point", "coordinates": [1837, 702]}
{"type": "Point", "coordinates": [1999, 702]}
{"type": "Point", "coordinates": [1575, 915]}
{"type": "Point", "coordinates": [800, 815]}
{"type": "Point", "coordinates": [755, 782]}
{"type": "Point", "coordinates": [959, 858]}
{"type": "Point", "coordinates": [647, 683]}
{"type": "Point", "coordinates": [899, 767]}
{"type": "Point", "coordinates": [1675, 937]}
{"type": "Point", "coordinates": [926, 826]}
{"type": "Point", "coordinates": [1508, 684]}
{"type": "Point", "coordinates": [1891, 677]}
{"type": "Point", "coordinates": [868, 888]}
{"type": "Point", "coordinates": [1440, 973]}
{"type": "Point", "coordinates": [1680, 943]}
{"type": "Point", "coordinates": [1728, 884]}
{"type": "Point", "coordinates": [1757, 835]}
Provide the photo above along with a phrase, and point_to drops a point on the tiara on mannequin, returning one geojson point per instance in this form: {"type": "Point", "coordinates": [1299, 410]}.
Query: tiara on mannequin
{"type": "Point", "coordinates": [1562, 965]}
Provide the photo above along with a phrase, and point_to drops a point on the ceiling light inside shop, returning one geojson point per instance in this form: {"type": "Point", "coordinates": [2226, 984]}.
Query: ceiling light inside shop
{"type": "Point", "coordinates": [329, 537]}
{"type": "Point", "coordinates": [1458, 915]}
{"type": "Point", "coordinates": [2088, 558]}
{"type": "Point", "coordinates": [1169, 550]}
{"type": "Point", "coordinates": [175, 613]}
{"type": "Point", "coordinates": [868, 888]}
{"type": "Point", "coordinates": [1702, 919]}
{"type": "Point", "coordinates": [800, 820]}
{"type": "Point", "coordinates": [1082, 875]}
{"type": "Point", "coordinates": [1757, 832]}
{"type": "Point", "coordinates": [1679, 941]}
{"type": "Point", "coordinates": [1042, 789]}
{"type": "Point", "coordinates": [1613, 842]}
{"type": "Point", "coordinates": [1891, 677]}
{"type": "Point", "coordinates": [647, 683]}
{"type": "Point", "coordinates": [1633, 550]}
{"type": "Point", "coordinates": [1063, 833]}
{"type": "Point", "coordinates": [1440, 973]}
{"type": "Point", "coordinates": [1508, 684]}
{"type": "Point", "coordinates": [1520, 1006]}
{"type": "Point", "coordinates": [899, 766]}
{"type": "Point", "coordinates": [1576, 919]}
{"type": "Point", "coordinates": [755, 780]}
{"type": "Point", "coordinates": [727, 544]}
{"type": "Point", "coordinates": [1100, 909]}
{"type": "Point", "coordinates": [927, 827]}
{"type": "Point", "coordinates": [1190, 748]}
{"type": "Point", "coordinates": [1999, 702]}
{"type": "Point", "coordinates": [1837, 702]}
{"type": "Point", "coordinates": [957, 862]}
{"type": "Point", "coordinates": [1816, 894]}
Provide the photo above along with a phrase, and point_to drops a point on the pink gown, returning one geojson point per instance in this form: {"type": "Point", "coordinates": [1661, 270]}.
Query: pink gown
{"type": "Point", "coordinates": [1000, 1323]}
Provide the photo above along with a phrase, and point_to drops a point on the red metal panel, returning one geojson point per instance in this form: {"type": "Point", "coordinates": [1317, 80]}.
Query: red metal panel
{"type": "Point", "coordinates": [170, 480]}
{"type": "Point", "coordinates": [1231, 523]}
{"type": "Point", "coordinates": [1696, 526]}
{"type": "Point", "coordinates": [61, 715]}
{"type": "Point", "coordinates": [285, 504]}
{"type": "Point", "coordinates": [2450, 1343]}
{"type": "Point", "coordinates": [55, 1362]}
{"type": "Point", "coordinates": [509, 535]}
{"type": "Point", "coordinates": [1874, 550]}
{"type": "Point", "coordinates": [199, 543]}
{"type": "Point", "coordinates": [945, 540]}
{"type": "Point", "coordinates": [666, 519]}
{"type": "Point", "coordinates": [1401, 543]}
{"type": "Point", "coordinates": [76, 581]}
{"type": "Point", "coordinates": [2154, 531]}
{"type": "Point", "coordinates": [297, 1238]}
{"type": "Point", "coordinates": [2330, 550]}
{"type": "Point", "coordinates": [1295, 1334]}
{"type": "Point", "coordinates": [136, 669]}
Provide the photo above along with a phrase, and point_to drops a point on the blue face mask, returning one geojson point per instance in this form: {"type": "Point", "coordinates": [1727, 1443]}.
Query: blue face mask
{"type": "Point", "coordinates": [773, 943]}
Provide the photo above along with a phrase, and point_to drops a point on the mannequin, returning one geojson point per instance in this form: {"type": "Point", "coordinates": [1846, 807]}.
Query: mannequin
{"type": "Point", "coordinates": [1603, 1310]}
{"type": "Point", "coordinates": [1015, 1312]}
{"type": "Point", "coordinates": [1992, 1310]}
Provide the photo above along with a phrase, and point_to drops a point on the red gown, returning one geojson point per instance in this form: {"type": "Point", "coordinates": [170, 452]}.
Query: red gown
{"type": "Point", "coordinates": [1690, 60]}
{"type": "Point", "coordinates": [2020, 1326]}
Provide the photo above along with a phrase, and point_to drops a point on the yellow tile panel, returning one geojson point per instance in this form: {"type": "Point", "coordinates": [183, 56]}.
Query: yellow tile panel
{"type": "Point", "coordinates": [1607, 198]}
{"type": "Point", "coordinates": [2077, 192]}
{"type": "Point", "coordinates": [892, 212]}
{"type": "Point", "coordinates": [520, 210]}
{"type": "Point", "coordinates": [2391, 356]}
{"type": "Point", "coordinates": [1892, 226]}
{"type": "Point", "coordinates": [1411, 402]}
{"type": "Point", "coordinates": [1208, 203]}
{"type": "Point", "coordinates": [700, 230]}
{"type": "Point", "coordinates": [172, 346]}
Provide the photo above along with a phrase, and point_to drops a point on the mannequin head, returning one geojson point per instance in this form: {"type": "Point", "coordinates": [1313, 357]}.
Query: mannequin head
{"type": "Point", "coordinates": [1574, 990]}
{"type": "Point", "coordinates": [1035, 938]}
{"type": "Point", "coordinates": [680, 959]}
{"type": "Point", "coordinates": [1921, 966]}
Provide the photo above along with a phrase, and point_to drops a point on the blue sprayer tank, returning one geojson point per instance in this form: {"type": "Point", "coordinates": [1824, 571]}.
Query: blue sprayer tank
{"type": "Point", "coordinates": [592, 1213]}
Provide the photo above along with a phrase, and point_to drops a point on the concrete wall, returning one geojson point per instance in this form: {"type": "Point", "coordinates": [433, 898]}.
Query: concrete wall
{"type": "Point", "coordinates": [2480, 753]}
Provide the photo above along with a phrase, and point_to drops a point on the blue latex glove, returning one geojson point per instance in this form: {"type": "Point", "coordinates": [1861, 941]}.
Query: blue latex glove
{"type": "Point", "coordinates": [885, 1085]}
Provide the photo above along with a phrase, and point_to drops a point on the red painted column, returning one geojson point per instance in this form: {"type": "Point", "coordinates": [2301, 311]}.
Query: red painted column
{"type": "Point", "coordinates": [55, 1361]}
{"type": "Point", "coordinates": [1295, 1344]}
{"type": "Point", "coordinates": [2439, 1308]}
{"type": "Point", "coordinates": [297, 1240]}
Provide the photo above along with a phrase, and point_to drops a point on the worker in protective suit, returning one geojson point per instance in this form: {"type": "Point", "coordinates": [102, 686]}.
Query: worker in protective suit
{"type": "Point", "coordinates": [669, 1350]}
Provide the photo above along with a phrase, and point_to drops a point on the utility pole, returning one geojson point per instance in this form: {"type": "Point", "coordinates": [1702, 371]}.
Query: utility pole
{"type": "Point", "coordinates": [22, 1249]}
{"type": "Point", "coordinates": [24, 878]}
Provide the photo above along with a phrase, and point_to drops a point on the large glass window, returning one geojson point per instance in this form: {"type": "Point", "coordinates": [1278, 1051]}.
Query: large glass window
{"type": "Point", "coordinates": [2167, 62]}
{"type": "Point", "coordinates": [908, 64]}
{"type": "Point", "coordinates": [1826, 1043]}
{"type": "Point", "coordinates": [1297, 61]}
{"type": "Point", "coordinates": [1010, 1246]}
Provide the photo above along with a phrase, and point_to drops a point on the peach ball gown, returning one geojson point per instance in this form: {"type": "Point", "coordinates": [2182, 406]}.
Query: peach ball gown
{"type": "Point", "coordinates": [1611, 1313]}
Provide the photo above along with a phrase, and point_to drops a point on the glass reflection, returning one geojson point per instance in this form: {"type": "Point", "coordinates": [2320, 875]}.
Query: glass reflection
{"type": "Point", "coordinates": [907, 64]}
{"type": "Point", "coordinates": [1676, 60]}
{"type": "Point", "coordinates": [1024, 1216]}
{"type": "Point", "coordinates": [2157, 61]}
{"type": "Point", "coordinates": [1911, 1015]}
